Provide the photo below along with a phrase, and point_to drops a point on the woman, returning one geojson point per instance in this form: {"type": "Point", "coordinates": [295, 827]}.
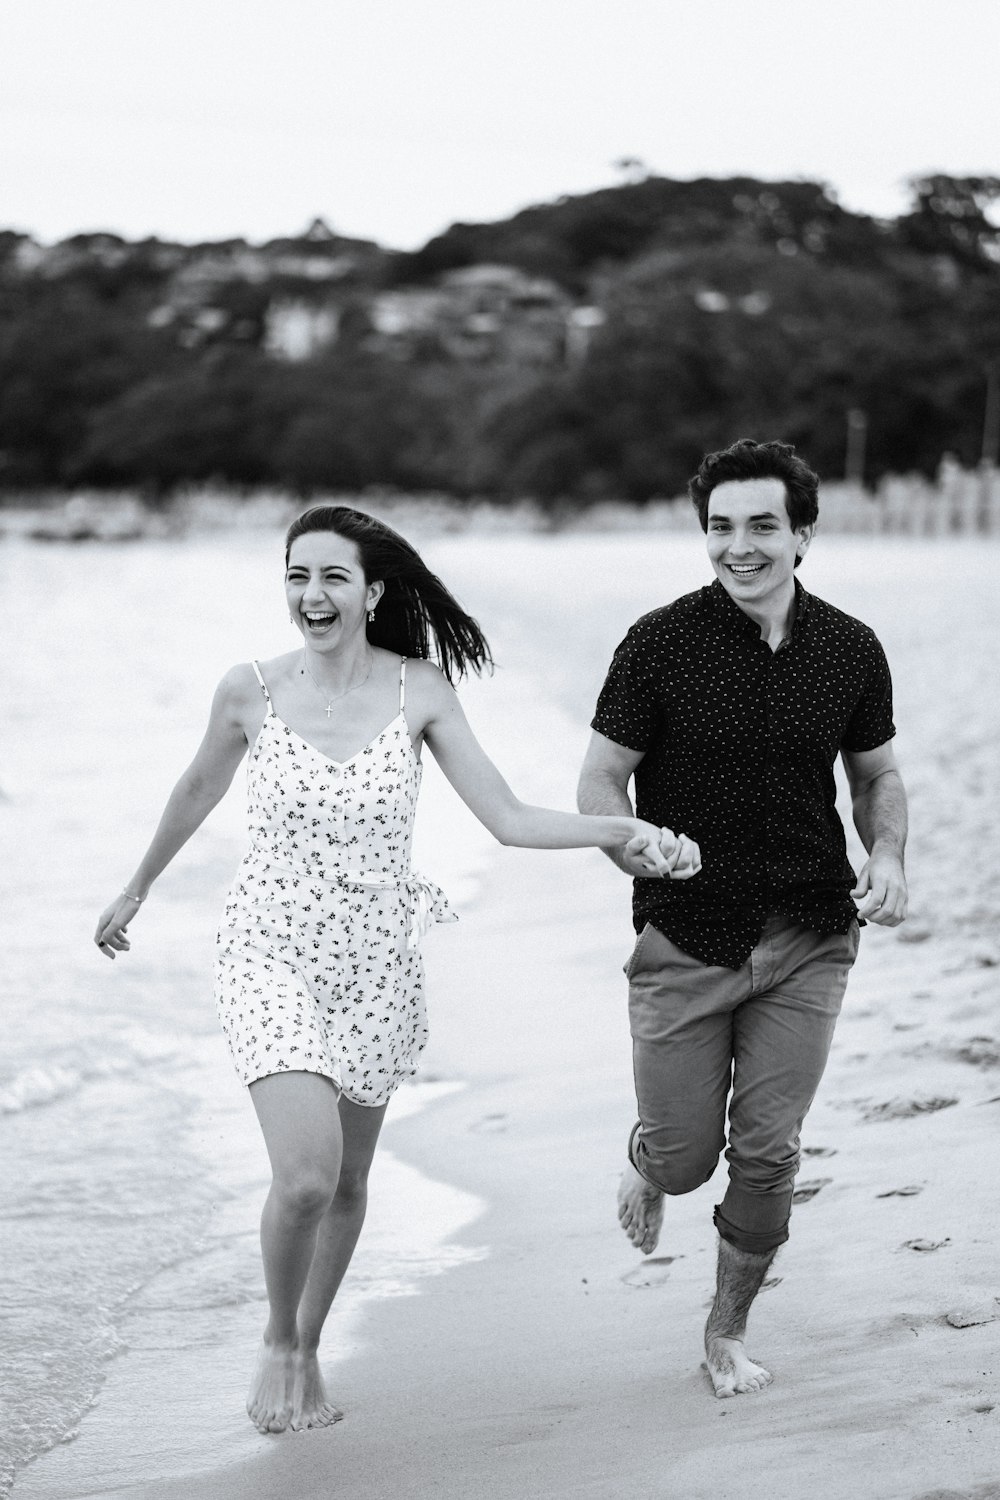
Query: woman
{"type": "Point", "coordinates": [319, 981]}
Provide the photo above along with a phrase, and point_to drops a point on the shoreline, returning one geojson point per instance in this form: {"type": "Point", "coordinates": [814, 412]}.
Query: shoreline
{"type": "Point", "coordinates": [959, 502]}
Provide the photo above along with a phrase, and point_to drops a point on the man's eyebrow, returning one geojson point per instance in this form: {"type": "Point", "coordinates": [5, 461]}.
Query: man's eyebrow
{"type": "Point", "coordinates": [764, 515]}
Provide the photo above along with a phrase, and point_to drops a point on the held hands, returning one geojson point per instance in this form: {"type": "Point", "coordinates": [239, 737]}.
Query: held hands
{"type": "Point", "coordinates": [656, 853]}
{"type": "Point", "coordinates": [881, 890]}
{"type": "Point", "coordinates": [112, 925]}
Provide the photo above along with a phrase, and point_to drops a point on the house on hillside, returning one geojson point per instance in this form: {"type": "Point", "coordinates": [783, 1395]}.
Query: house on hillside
{"type": "Point", "coordinates": [483, 313]}
{"type": "Point", "coordinates": [295, 329]}
{"type": "Point", "coordinates": [287, 293]}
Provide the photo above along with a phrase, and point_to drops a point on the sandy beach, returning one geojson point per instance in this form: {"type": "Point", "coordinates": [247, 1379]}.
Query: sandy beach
{"type": "Point", "coordinates": [534, 1353]}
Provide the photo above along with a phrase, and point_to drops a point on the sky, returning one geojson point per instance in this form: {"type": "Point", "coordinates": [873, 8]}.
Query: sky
{"type": "Point", "coordinates": [391, 119]}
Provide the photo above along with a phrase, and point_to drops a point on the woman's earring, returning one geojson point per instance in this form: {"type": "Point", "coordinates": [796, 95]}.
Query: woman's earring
{"type": "Point", "coordinates": [371, 616]}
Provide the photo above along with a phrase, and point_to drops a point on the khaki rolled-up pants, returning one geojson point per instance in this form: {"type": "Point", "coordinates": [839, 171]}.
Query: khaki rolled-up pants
{"type": "Point", "coordinates": [762, 1031]}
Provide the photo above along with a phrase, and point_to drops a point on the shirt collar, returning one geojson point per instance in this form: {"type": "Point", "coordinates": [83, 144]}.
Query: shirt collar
{"type": "Point", "coordinates": [728, 611]}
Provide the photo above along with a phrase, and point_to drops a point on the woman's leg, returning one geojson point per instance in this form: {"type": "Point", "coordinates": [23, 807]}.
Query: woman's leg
{"type": "Point", "coordinates": [335, 1242]}
{"type": "Point", "coordinates": [300, 1120]}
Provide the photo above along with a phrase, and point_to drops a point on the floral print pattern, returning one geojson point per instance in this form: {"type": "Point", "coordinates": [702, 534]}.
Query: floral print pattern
{"type": "Point", "coordinates": [318, 964]}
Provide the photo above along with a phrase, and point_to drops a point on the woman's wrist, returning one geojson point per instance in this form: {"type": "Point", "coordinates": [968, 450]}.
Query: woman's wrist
{"type": "Point", "coordinates": [625, 830]}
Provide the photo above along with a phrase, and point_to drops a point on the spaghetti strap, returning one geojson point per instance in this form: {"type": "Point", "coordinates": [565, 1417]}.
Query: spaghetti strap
{"type": "Point", "coordinates": [263, 687]}
{"type": "Point", "coordinates": [402, 684]}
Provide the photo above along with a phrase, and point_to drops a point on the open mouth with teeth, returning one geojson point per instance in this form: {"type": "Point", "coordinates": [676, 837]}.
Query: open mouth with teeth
{"type": "Point", "coordinates": [317, 622]}
{"type": "Point", "coordinates": [745, 570]}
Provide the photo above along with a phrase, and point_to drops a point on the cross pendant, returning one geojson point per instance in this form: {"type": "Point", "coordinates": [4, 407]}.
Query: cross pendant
{"type": "Point", "coordinates": [329, 709]}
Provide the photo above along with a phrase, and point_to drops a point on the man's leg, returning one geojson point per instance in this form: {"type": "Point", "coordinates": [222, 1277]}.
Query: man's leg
{"type": "Point", "coordinates": [680, 1012]}
{"type": "Point", "coordinates": [781, 1042]}
{"type": "Point", "coordinates": [738, 1279]}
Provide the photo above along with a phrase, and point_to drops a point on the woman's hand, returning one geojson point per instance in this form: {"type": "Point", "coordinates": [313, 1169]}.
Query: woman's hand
{"type": "Point", "coordinates": [113, 923]}
{"type": "Point", "coordinates": [661, 853]}
{"type": "Point", "coordinates": [681, 854]}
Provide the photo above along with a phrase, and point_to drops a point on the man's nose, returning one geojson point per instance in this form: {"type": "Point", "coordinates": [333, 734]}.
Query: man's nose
{"type": "Point", "coordinates": [741, 543]}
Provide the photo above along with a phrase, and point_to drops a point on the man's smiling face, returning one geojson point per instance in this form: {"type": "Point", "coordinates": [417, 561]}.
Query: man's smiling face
{"type": "Point", "coordinates": [751, 542]}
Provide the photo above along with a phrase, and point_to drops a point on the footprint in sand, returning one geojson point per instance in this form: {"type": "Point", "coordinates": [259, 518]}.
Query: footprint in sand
{"type": "Point", "coordinates": [925, 1244]}
{"type": "Point", "coordinates": [652, 1272]}
{"type": "Point", "coordinates": [819, 1151]}
{"type": "Point", "coordinates": [807, 1190]}
{"type": "Point", "coordinates": [903, 1192]}
{"type": "Point", "coordinates": [980, 1051]}
{"type": "Point", "coordinates": [973, 1315]}
{"type": "Point", "coordinates": [490, 1125]}
{"type": "Point", "coordinates": [903, 1109]}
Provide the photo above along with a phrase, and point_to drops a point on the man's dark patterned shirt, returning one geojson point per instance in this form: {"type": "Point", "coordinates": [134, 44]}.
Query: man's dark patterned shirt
{"type": "Point", "coordinates": [739, 745]}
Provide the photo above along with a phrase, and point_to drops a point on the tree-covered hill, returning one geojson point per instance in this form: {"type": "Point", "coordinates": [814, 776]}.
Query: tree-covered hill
{"type": "Point", "coordinates": [590, 347]}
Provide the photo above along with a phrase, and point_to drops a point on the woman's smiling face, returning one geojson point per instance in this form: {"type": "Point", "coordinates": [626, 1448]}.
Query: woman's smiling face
{"type": "Point", "coordinates": [327, 593]}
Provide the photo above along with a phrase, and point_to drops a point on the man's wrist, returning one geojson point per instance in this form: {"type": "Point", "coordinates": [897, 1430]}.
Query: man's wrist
{"type": "Point", "coordinates": [887, 846]}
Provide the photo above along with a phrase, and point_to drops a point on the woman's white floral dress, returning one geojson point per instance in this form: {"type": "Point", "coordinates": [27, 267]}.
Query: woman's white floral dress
{"type": "Point", "coordinates": [318, 963]}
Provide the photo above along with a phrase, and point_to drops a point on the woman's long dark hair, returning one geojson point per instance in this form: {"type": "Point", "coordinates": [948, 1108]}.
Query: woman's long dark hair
{"type": "Point", "coordinates": [416, 615]}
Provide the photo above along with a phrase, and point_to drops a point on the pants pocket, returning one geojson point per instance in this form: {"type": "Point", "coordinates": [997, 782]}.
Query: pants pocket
{"type": "Point", "coordinates": [632, 966]}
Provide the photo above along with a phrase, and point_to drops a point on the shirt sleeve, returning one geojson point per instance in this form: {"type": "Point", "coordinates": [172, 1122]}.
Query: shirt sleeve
{"type": "Point", "coordinates": [871, 723]}
{"type": "Point", "coordinates": [627, 710]}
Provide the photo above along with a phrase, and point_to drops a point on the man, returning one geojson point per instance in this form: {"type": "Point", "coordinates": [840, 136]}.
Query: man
{"type": "Point", "coordinates": [730, 707]}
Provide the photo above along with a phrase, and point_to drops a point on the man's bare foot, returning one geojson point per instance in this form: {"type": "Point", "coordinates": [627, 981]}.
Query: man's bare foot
{"type": "Point", "coordinates": [269, 1404]}
{"type": "Point", "coordinates": [640, 1210]}
{"type": "Point", "coordinates": [310, 1408]}
{"type": "Point", "coordinates": [732, 1370]}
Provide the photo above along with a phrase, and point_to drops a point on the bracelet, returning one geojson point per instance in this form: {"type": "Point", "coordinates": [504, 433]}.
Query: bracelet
{"type": "Point", "coordinates": [137, 899]}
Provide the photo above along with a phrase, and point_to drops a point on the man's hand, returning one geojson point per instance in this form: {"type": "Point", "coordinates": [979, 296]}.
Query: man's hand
{"type": "Point", "coordinates": [682, 854]}
{"type": "Point", "coordinates": [880, 818]}
{"type": "Point", "coordinates": [881, 890]}
{"type": "Point", "coordinates": [671, 857]}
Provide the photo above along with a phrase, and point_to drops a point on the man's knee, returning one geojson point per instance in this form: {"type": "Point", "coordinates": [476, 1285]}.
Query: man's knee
{"type": "Point", "coordinates": [674, 1171]}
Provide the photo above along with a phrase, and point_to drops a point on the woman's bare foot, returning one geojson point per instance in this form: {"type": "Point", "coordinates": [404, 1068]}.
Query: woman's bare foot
{"type": "Point", "coordinates": [310, 1408]}
{"type": "Point", "coordinates": [269, 1404]}
{"type": "Point", "coordinates": [732, 1370]}
{"type": "Point", "coordinates": [640, 1210]}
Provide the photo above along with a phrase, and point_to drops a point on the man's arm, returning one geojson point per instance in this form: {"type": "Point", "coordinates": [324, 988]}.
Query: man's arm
{"type": "Point", "coordinates": [603, 789]}
{"type": "Point", "coordinates": [879, 803]}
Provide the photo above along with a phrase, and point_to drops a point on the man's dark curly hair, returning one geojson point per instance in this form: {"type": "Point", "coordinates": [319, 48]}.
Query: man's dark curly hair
{"type": "Point", "coordinates": [747, 459]}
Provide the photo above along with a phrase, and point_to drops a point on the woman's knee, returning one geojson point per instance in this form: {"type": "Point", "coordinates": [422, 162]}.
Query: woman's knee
{"type": "Point", "coordinates": [305, 1193]}
{"type": "Point", "coordinates": [352, 1186]}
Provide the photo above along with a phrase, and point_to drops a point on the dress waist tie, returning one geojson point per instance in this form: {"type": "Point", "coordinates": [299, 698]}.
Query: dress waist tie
{"type": "Point", "coordinates": [427, 901]}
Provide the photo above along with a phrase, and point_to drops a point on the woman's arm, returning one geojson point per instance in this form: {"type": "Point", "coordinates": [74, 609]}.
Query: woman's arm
{"type": "Point", "coordinates": [200, 788]}
{"type": "Point", "coordinates": [485, 792]}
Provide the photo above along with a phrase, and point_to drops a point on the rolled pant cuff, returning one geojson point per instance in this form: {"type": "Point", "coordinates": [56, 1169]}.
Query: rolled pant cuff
{"type": "Point", "coordinates": [633, 1156]}
{"type": "Point", "coordinates": [754, 1222]}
